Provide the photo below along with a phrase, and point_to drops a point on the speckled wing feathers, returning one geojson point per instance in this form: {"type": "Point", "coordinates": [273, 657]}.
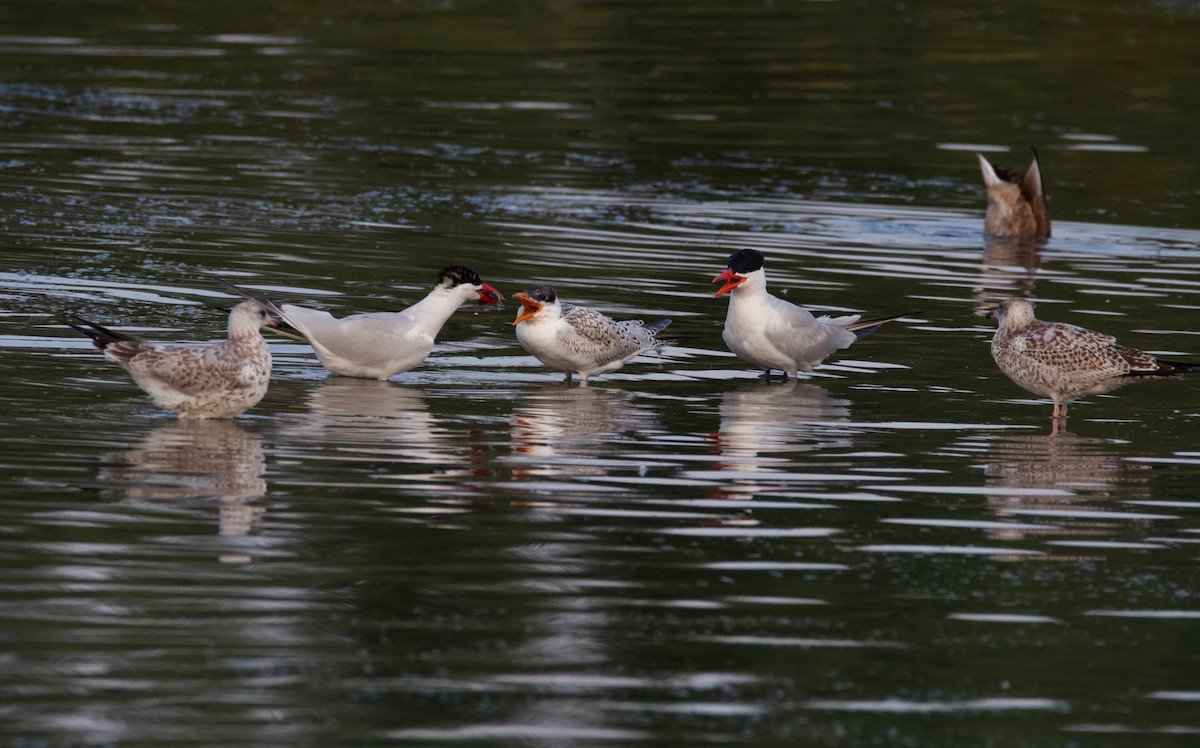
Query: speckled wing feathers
{"type": "Point", "coordinates": [601, 338]}
{"type": "Point", "coordinates": [191, 370]}
{"type": "Point", "coordinates": [1138, 361]}
{"type": "Point", "coordinates": [1075, 349]}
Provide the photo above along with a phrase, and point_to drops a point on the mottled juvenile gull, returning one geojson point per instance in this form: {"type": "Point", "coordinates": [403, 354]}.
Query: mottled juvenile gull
{"type": "Point", "coordinates": [1062, 361]}
{"type": "Point", "coordinates": [377, 345]}
{"type": "Point", "coordinates": [775, 334]}
{"type": "Point", "coordinates": [578, 340]}
{"type": "Point", "coordinates": [196, 380]}
{"type": "Point", "coordinates": [1016, 202]}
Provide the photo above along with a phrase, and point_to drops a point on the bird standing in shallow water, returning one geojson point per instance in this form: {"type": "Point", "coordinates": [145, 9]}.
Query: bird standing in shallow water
{"type": "Point", "coordinates": [380, 344]}
{"type": "Point", "coordinates": [1063, 362]}
{"type": "Point", "coordinates": [196, 380]}
{"type": "Point", "coordinates": [1016, 206]}
{"type": "Point", "coordinates": [775, 334]}
{"type": "Point", "coordinates": [578, 340]}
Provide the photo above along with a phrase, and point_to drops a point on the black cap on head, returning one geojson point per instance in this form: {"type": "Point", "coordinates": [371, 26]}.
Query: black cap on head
{"type": "Point", "coordinates": [745, 261]}
{"type": "Point", "coordinates": [543, 294]}
{"type": "Point", "coordinates": [457, 274]}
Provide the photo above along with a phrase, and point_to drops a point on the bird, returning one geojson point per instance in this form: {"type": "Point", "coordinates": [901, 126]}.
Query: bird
{"type": "Point", "coordinates": [379, 345]}
{"type": "Point", "coordinates": [774, 334]}
{"type": "Point", "coordinates": [578, 340]}
{"type": "Point", "coordinates": [1063, 362]}
{"type": "Point", "coordinates": [196, 380]}
{"type": "Point", "coordinates": [1016, 202]}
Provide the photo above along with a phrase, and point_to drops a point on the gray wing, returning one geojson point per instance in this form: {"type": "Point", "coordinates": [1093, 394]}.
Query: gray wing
{"type": "Point", "coordinates": [603, 339]}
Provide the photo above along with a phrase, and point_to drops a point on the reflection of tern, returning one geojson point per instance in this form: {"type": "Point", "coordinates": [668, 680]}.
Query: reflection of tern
{"type": "Point", "coordinates": [380, 344]}
{"type": "Point", "coordinates": [578, 340]}
{"type": "Point", "coordinates": [197, 380]}
{"type": "Point", "coordinates": [762, 424]}
{"type": "Point", "coordinates": [551, 425]}
{"type": "Point", "coordinates": [1016, 202]}
{"type": "Point", "coordinates": [384, 417]}
{"type": "Point", "coordinates": [774, 334]}
{"type": "Point", "coordinates": [793, 417]}
{"type": "Point", "coordinates": [1062, 361]}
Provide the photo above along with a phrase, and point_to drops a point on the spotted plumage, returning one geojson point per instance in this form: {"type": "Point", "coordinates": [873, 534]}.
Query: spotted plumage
{"type": "Point", "coordinates": [1016, 206]}
{"type": "Point", "coordinates": [196, 380]}
{"type": "Point", "coordinates": [1062, 361]}
{"type": "Point", "coordinates": [578, 340]}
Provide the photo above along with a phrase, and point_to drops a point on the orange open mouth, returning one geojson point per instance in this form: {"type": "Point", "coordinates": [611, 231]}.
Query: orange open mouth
{"type": "Point", "coordinates": [529, 307]}
{"type": "Point", "coordinates": [732, 281]}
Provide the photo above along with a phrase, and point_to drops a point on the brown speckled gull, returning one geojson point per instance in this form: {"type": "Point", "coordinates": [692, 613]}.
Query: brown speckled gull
{"type": "Point", "coordinates": [1062, 361]}
{"type": "Point", "coordinates": [196, 380]}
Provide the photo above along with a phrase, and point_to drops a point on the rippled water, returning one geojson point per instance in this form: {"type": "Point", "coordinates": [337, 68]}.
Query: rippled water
{"type": "Point", "coordinates": [894, 551]}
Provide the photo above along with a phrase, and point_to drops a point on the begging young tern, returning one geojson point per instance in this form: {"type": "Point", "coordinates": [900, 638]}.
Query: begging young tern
{"type": "Point", "coordinates": [1016, 206]}
{"type": "Point", "coordinates": [579, 340]}
{"type": "Point", "coordinates": [1062, 362]}
{"type": "Point", "coordinates": [196, 380]}
{"type": "Point", "coordinates": [775, 334]}
{"type": "Point", "coordinates": [378, 345]}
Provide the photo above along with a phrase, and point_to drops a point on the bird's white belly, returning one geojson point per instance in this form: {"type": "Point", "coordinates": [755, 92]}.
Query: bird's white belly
{"type": "Point", "coordinates": [542, 341]}
{"type": "Point", "coordinates": [373, 358]}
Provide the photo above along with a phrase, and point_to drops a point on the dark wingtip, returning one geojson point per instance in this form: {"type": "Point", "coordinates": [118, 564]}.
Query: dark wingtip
{"type": "Point", "coordinates": [256, 296]}
{"type": "Point", "coordinates": [658, 326]}
{"type": "Point", "coordinates": [101, 336]}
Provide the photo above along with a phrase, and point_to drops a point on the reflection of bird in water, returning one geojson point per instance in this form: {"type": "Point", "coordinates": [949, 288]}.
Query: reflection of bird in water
{"type": "Point", "coordinates": [190, 459]}
{"type": "Point", "coordinates": [766, 418]}
{"type": "Point", "coordinates": [763, 422]}
{"type": "Point", "coordinates": [1010, 268]}
{"type": "Point", "coordinates": [1054, 471]}
{"type": "Point", "coordinates": [1063, 361]}
{"type": "Point", "coordinates": [554, 423]}
{"type": "Point", "coordinates": [372, 414]}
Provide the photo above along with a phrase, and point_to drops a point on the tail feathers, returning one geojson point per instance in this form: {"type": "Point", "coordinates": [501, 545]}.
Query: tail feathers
{"type": "Point", "coordinates": [1167, 369]}
{"type": "Point", "coordinates": [865, 327]}
{"type": "Point", "coordinates": [657, 327]}
{"type": "Point", "coordinates": [102, 337]}
{"type": "Point", "coordinates": [253, 296]}
{"type": "Point", "coordinates": [281, 327]}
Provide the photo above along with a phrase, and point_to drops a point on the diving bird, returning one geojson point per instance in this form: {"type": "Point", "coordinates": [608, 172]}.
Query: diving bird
{"type": "Point", "coordinates": [1016, 206]}
{"type": "Point", "coordinates": [377, 345]}
{"type": "Point", "coordinates": [1062, 361]}
{"type": "Point", "coordinates": [196, 380]}
{"type": "Point", "coordinates": [775, 334]}
{"type": "Point", "coordinates": [578, 340]}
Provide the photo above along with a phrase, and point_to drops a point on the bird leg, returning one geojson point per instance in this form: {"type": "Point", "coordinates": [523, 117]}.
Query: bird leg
{"type": "Point", "coordinates": [1060, 410]}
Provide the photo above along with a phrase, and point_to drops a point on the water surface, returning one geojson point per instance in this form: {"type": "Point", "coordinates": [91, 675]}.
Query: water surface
{"type": "Point", "coordinates": [896, 550]}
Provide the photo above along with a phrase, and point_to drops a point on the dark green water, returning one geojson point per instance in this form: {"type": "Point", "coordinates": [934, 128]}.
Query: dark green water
{"type": "Point", "coordinates": [894, 552]}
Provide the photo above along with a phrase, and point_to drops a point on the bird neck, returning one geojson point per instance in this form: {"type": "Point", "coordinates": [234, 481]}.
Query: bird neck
{"type": "Point", "coordinates": [432, 311]}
